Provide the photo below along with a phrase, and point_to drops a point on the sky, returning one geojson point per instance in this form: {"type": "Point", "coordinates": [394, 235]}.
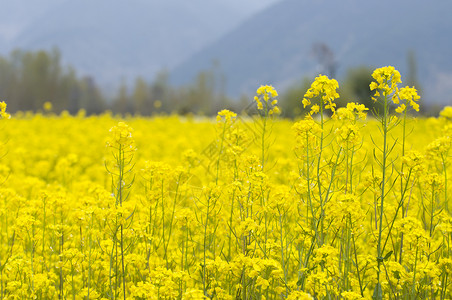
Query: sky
{"type": "Point", "coordinates": [17, 14]}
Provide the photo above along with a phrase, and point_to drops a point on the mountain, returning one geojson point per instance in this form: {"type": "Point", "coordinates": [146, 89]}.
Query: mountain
{"type": "Point", "coordinates": [275, 46]}
{"type": "Point", "coordinates": [114, 39]}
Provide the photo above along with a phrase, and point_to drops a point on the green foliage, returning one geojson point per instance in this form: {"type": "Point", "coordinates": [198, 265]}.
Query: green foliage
{"type": "Point", "coordinates": [29, 79]}
{"type": "Point", "coordinates": [356, 88]}
{"type": "Point", "coordinates": [290, 101]}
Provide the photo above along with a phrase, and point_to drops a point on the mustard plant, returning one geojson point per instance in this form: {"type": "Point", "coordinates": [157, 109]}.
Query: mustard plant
{"type": "Point", "coordinates": [123, 148]}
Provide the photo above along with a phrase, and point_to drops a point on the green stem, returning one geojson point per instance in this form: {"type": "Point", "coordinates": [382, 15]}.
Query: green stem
{"type": "Point", "coordinates": [383, 182]}
{"type": "Point", "coordinates": [204, 275]}
{"type": "Point", "coordinates": [446, 202]}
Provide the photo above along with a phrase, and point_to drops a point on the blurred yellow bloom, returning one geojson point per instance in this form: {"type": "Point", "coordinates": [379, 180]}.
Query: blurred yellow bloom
{"type": "Point", "coordinates": [48, 106]}
{"type": "Point", "coordinates": [446, 112]}
{"type": "Point", "coordinates": [410, 96]}
{"type": "Point", "coordinates": [3, 113]}
{"type": "Point", "coordinates": [121, 137]}
{"type": "Point", "coordinates": [267, 93]}
{"type": "Point", "coordinates": [401, 108]}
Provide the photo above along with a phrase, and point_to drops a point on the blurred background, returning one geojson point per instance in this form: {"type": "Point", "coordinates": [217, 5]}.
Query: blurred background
{"type": "Point", "coordinates": [200, 56]}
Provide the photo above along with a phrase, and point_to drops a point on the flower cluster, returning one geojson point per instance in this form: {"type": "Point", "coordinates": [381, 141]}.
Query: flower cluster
{"type": "Point", "coordinates": [226, 115]}
{"type": "Point", "coordinates": [121, 137]}
{"type": "Point", "coordinates": [352, 111]}
{"type": "Point", "coordinates": [387, 79]}
{"type": "Point", "coordinates": [3, 113]}
{"type": "Point", "coordinates": [446, 113]}
{"type": "Point", "coordinates": [409, 96]}
{"type": "Point", "coordinates": [325, 90]}
{"type": "Point", "coordinates": [266, 100]}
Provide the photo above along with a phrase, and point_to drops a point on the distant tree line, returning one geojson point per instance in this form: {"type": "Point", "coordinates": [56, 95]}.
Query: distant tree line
{"type": "Point", "coordinates": [30, 79]}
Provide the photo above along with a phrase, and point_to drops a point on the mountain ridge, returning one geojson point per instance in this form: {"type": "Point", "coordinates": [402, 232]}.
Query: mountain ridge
{"type": "Point", "coordinates": [275, 46]}
{"type": "Point", "coordinates": [116, 40]}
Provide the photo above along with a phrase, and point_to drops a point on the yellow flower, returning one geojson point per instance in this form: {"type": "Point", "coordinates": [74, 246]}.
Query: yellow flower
{"type": "Point", "coordinates": [324, 89]}
{"type": "Point", "coordinates": [267, 90]}
{"type": "Point", "coordinates": [413, 159]}
{"type": "Point", "coordinates": [194, 294]}
{"type": "Point", "coordinates": [386, 79]}
{"type": "Point", "coordinates": [267, 93]}
{"type": "Point", "coordinates": [409, 94]}
{"type": "Point", "coordinates": [348, 133]}
{"type": "Point", "coordinates": [298, 295]}
{"type": "Point", "coordinates": [401, 108]}
{"type": "Point", "coordinates": [47, 106]}
{"type": "Point", "coordinates": [226, 115]}
{"type": "Point", "coordinates": [274, 110]}
{"type": "Point", "coordinates": [446, 112]}
{"type": "Point", "coordinates": [261, 282]}
{"type": "Point", "coordinates": [315, 109]}
{"type": "Point", "coordinates": [351, 296]}
{"type": "Point", "coordinates": [3, 113]}
{"type": "Point", "coordinates": [121, 137]}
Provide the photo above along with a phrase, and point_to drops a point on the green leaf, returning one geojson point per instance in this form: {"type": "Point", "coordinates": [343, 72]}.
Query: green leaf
{"type": "Point", "coordinates": [388, 255]}
{"type": "Point", "coordinates": [378, 292]}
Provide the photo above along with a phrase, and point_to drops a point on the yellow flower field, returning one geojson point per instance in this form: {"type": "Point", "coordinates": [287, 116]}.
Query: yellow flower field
{"type": "Point", "coordinates": [333, 206]}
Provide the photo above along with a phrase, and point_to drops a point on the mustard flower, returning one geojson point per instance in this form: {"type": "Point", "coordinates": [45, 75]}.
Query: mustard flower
{"type": "Point", "coordinates": [446, 112]}
{"type": "Point", "coordinates": [306, 126]}
{"type": "Point", "coordinates": [226, 115]}
{"type": "Point", "coordinates": [267, 91]}
{"type": "Point", "coordinates": [263, 283]}
{"type": "Point", "coordinates": [268, 94]}
{"type": "Point", "coordinates": [433, 181]}
{"type": "Point", "coordinates": [440, 146]}
{"type": "Point", "coordinates": [409, 94]}
{"type": "Point", "coordinates": [299, 295]}
{"type": "Point", "coordinates": [326, 90]}
{"type": "Point", "coordinates": [194, 294]}
{"type": "Point", "coordinates": [352, 111]}
{"type": "Point", "coordinates": [121, 137]}
{"type": "Point", "coordinates": [47, 106]}
{"type": "Point", "coordinates": [3, 113]}
{"type": "Point", "coordinates": [446, 265]}
{"type": "Point", "coordinates": [401, 108]}
{"type": "Point", "coordinates": [387, 79]}
{"type": "Point", "coordinates": [351, 295]}
{"type": "Point", "coordinates": [306, 132]}
{"type": "Point", "coordinates": [413, 159]}
{"type": "Point", "coordinates": [348, 133]}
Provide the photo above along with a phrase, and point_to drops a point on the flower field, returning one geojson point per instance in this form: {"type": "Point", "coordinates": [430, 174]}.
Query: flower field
{"type": "Point", "coordinates": [338, 205]}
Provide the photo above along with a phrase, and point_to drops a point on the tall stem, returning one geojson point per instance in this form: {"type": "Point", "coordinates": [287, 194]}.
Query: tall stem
{"type": "Point", "coordinates": [380, 228]}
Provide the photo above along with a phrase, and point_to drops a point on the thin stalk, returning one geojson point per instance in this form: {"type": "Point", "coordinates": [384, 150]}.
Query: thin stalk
{"type": "Point", "coordinates": [319, 183]}
{"type": "Point", "coordinates": [413, 289]}
{"type": "Point", "coordinates": [204, 275]}
{"type": "Point", "coordinates": [122, 264]}
{"type": "Point", "coordinates": [357, 266]}
{"type": "Point", "coordinates": [263, 135]}
{"type": "Point", "coordinates": [60, 295]}
{"type": "Point", "coordinates": [446, 200]}
{"type": "Point", "coordinates": [89, 255]}
{"type": "Point", "coordinates": [383, 182]}
{"type": "Point", "coordinates": [283, 262]}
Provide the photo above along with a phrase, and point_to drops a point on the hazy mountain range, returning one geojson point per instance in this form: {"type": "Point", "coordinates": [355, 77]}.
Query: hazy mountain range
{"type": "Point", "coordinates": [110, 39]}
{"type": "Point", "coordinates": [254, 42]}
{"type": "Point", "coordinates": [276, 45]}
